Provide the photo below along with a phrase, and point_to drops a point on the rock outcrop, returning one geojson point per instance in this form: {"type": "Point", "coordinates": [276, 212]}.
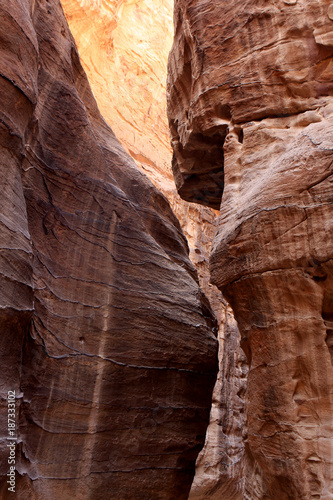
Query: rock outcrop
{"type": "Point", "coordinates": [123, 47]}
{"type": "Point", "coordinates": [107, 337]}
{"type": "Point", "coordinates": [251, 115]}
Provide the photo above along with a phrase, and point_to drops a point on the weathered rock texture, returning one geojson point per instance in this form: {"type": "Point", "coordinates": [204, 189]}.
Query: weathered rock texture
{"type": "Point", "coordinates": [106, 336]}
{"type": "Point", "coordinates": [251, 108]}
{"type": "Point", "coordinates": [221, 468]}
{"type": "Point", "coordinates": [124, 47]}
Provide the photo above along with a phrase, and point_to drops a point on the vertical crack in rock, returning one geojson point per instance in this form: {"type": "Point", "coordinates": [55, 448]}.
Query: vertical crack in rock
{"type": "Point", "coordinates": [327, 312]}
{"type": "Point", "coordinates": [220, 467]}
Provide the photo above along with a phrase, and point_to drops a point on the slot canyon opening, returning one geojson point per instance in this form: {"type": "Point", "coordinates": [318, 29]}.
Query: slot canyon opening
{"type": "Point", "coordinates": [125, 58]}
{"type": "Point", "coordinates": [116, 361]}
{"type": "Point", "coordinates": [133, 98]}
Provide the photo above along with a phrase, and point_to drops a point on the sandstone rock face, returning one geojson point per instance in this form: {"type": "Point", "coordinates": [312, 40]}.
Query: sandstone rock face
{"type": "Point", "coordinates": [251, 109]}
{"type": "Point", "coordinates": [277, 250]}
{"type": "Point", "coordinates": [241, 62]}
{"type": "Point", "coordinates": [124, 46]}
{"type": "Point", "coordinates": [98, 294]}
{"type": "Point", "coordinates": [221, 468]}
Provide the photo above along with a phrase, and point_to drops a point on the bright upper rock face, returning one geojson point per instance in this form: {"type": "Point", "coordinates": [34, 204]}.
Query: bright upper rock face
{"type": "Point", "coordinates": [108, 339]}
{"type": "Point", "coordinates": [251, 115]}
{"type": "Point", "coordinates": [124, 46]}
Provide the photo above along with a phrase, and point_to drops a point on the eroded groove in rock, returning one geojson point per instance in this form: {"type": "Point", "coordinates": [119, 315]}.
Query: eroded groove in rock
{"type": "Point", "coordinates": [269, 65]}
{"type": "Point", "coordinates": [247, 62]}
{"type": "Point", "coordinates": [222, 463]}
{"type": "Point", "coordinates": [119, 358]}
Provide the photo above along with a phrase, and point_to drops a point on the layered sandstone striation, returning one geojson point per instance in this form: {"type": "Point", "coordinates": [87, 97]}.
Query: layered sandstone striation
{"type": "Point", "coordinates": [108, 339]}
{"type": "Point", "coordinates": [251, 115]}
{"type": "Point", "coordinates": [124, 47]}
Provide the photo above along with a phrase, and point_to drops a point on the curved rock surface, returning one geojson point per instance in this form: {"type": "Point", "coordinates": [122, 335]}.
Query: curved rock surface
{"type": "Point", "coordinates": [123, 47]}
{"type": "Point", "coordinates": [251, 109]}
{"type": "Point", "coordinates": [97, 291]}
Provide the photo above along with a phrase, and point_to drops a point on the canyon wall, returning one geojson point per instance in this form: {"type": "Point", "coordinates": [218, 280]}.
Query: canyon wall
{"type": "Point", "coordinates": [251, 116]}
{"type": "Point", "coordinates": [222, 470]}
{"type": "Point", "coordinates": [106, 337]}
{"type": "Point", "coordinates": [124, 47]}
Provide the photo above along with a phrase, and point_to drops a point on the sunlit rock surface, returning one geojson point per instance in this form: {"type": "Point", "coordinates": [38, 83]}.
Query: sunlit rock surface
{"type": "Point", "coordinates": [251, 112]}
{"type": "Point", "coordinates": [124, 46]}
{"type": "Point", "coordinates": [106, 337]}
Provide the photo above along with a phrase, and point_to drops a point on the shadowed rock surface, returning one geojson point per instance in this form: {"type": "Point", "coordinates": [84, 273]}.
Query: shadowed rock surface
{"type": "Point", "coordinates": [107, 337]}
{"type": "Point", "coordinates": [253, 80]}
{"type": "Point", "coordinates": [124, 47]}
{"type": "Point", "coordinates": [221, 467]}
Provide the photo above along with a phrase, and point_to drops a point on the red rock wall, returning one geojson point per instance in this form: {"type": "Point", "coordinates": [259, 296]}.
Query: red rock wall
{"type": "Point", "coordinates": [98, 294]}
{"type": "Point", "coordinates": [123, 47]}
{"type": "Point", "coordinates": [221, 469]}
{"type": "Point", "coordinates": [250, 109]}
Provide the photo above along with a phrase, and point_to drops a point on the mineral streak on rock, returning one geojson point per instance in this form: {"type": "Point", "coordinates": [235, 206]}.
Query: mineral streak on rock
{"type": "Point", "coordinates": [119, 356]}
{"type": "Point", "coordinates": [257, 77]}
